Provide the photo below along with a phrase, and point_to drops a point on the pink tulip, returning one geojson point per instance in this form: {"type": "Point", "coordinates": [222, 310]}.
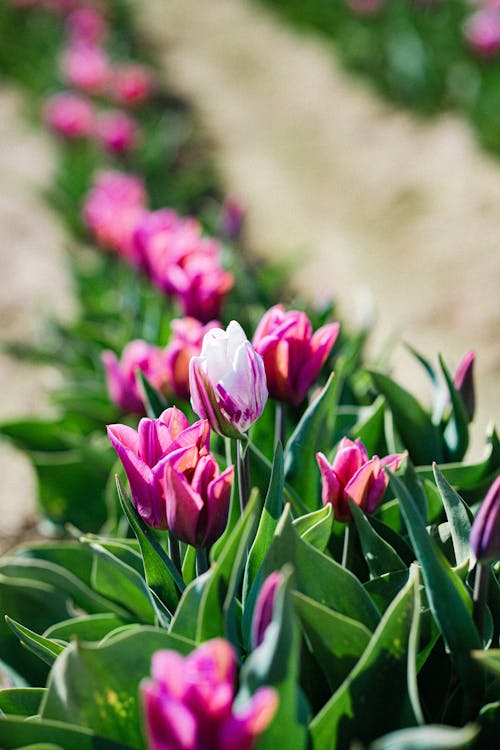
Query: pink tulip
{"type": "Point", "coordinates": [131, 85]}
{"type": "Point", "coordinates": [144, 454]}
{"type": "Point", "coordinates": [161, 238]}
{"type": "Point", "coordinates": [112, 211]}
{"type": "Point", "coordinates": [121, 374]}
{"type": "Point", "coordinates": [485, 532]}
{"type": "Point", "coordinates": [117, 131]}
{"type": "Point", "coordinates": [365, 7]}
{"type": "Point", "coordinates": [188, 702]}
{"type": "Point", "coordinates": [228, 381]}
{"type": "Point", "coordinates": [232, 218]}
{"type": "Point", "coordinates": [85, 66]}
{"type": "Point", "coordinates": [200, 285]}
{"type": "Point", "coordinates": [197, 496]}
{"type": "Point", "coordinates": [186, 342]}
{"type": "Point", "coordinates": [354, 475]}
{"type": "Point", "coordinates": [264, 607]}
{"type": "Point", "coordinates": [69, 115]}
{"type": "Point", "coordinates": [292, 354]}
{"type": "Point", "coordinates": [86, 25]}
{"type": "Point", "coordinates": [482, 32]}
{"type": "Point", "coordinates": [463, 381]}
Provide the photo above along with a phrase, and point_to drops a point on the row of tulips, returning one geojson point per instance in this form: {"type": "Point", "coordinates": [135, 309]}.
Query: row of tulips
{"type": "Point", "coordinates": [269, 593]}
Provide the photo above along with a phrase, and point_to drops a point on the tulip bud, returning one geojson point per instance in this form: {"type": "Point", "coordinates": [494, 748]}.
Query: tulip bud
{"type": "Point", "coordinates": [264, 607]}
{"type": "Point", "coordinates": [292, 354]}
{"type": "Point", "coordinates": [228, 381]}
{"type": "Point", "coordinates": [464, 383]}
{"type": "Point", "coordinates": [131, 85]}
{"type": "Point", "coordinates": [69, 115]}
{"type": "Point", "coordinates": [353, 475]}
{"type": "Point", "coordinates": [117, 131]}
{"type": "Point", "coordinates": [485, 532]}
{"type": "Point", "coordinates": [85, 66]}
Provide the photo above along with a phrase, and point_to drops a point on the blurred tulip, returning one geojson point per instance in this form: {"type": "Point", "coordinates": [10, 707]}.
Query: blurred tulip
{"type": "Point", "coordinates": [145, 452]}
{"type": "Point", "coordinates": [69, 115]}
{"type": "Point", "coordinates": [117, 131]}
{"type": "Point", "coordinates": [200, 285]}
{"type": "Point", "coordinates": [121, 374]}
{"type": "Point", "coordinates": [264, 607]}
{"type": "Point", "coordinates": [293, 356]}
{"type": "Point", "coordinates": [482, 32]}
{"type": "Point", "coordinates": [85, 66]}
{"type": "Point", "coordinates": [131, 85]}
{"type": "Point", "coordinates": [485, 532]}
{"type": "Point", "coordinates": [186, 341]}
{"type": "Point", "coordinates": [228, 381]}
{"type": "Point", "coordinates": [86, 25]}
{"type": "Point", "coordinates": [365, 7]}
{"type": "Point", "coordinates": [161, 238]}
{"type": "Point", "coordinates": [232, 218]}
{"type": "Point", "coordinates": [353, 475]}
{"type": "Point", "coordinates": [188, 702]}
{"type": "Point", "coordinates": [464, 383]}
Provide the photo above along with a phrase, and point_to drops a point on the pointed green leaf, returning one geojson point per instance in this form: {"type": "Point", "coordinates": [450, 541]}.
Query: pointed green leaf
{"type": "Point", "coordinates": [378, 554]}
{"type": "Point", "coordinates": [185, 620]}
{"type": "Point", "coordinates": [456, 432]}
{"type": "Point", "coordinates": [316, 527]}
{"type": "Point", "coordinates": [45, 648]}
{"type": "Point", "coordinates": [84, 627]}
{"type": "Point", "coordinates": [153, 399]}
{"type": "Point", "coordinates": [21, 701]}
{"type": "Point", "coordinates": [458, 515]}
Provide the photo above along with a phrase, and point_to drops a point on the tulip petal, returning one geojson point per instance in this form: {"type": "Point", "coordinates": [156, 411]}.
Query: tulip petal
{"type": "Point", "coordinates": [183, 506]}
{"type": "Point", "coordinates": [331, 491]}
{"type": "Point", "coordinates": [216, 509]}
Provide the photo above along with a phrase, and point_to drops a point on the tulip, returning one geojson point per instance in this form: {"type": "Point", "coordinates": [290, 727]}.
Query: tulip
{"type": "Point", "coordinates": [365, 7]}
{"type": "Point", "coordinates": [292, 354]}
{"type": "Point", "coordinates": [232, 218]}
{"type": "Point", "coordinates": [464, 383]}
{"type": "Point", "coordinates": [200, 285]}
{"type": "Point", "coordinates": [188, 703]}
{"type": "Point", "coordinates": [264, 606]}
{"type": "Point", "coordinates": [162, 238]}
{"type": "Point", "coordinates": [85, 66]}
{"type": "Point", "coordinates": [353, 475]}
{"type": "Point", "coordinates": [86, 25]}
{"type": "Point", "coordinates": [485, 532]}
{"type": "Point", "coordinates": [69, 115]}
{"type": "Point", "coordinates": [145, 452]}
{"type": "Point", "coordinates": [186, 341]}
{"type": "Point", "coordinates": [197, 496]}
{"type": "Point", "coordinates": [482, 32]}
{"type": "Point", "coordinates": [117, 131]}
{"type": "Point", "coordinates": [228, 381]}
{"type": "Point", "coordinates": [121, 374]}
{"type": "Point", "coordinates": [131, 85]}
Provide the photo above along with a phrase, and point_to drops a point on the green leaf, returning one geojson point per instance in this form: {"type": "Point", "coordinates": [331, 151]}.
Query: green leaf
{"type": "Point", "coordinates": [379, 555]}
{"type": "Point", "coordinates": [97, 686]}
{"type": "Point", "coordinates": [384, 589]}
{"type": "Point", "coordinates": [458, 515]}
{"type": "Point", "coordinates": [185, 620]}
{"type": "Point", "coordinates": [337, 641]}
{"type": "Point", "coordinates": [358, 709]}
{"type": "Point", "coordinates": [370, 427]}
{"type": "Point", "coordinates": [430, 737]}
{"type": "Point", "coordinates": [161, 574]}
{"type": "Point", "coordinates": [456, 432]}
{"type": "Point", "coordinates": [316, 527]}
{"type": "Point", "coordinates": [310, 435]}
{"type": "Point", "coordinates": [17, 733]}
{"type": "Point", "coordinates": [153, 399]}
{"type": "Point", "coordinates": [45, 648]}
{"type": "Point", "coordinates": [84, 627]}
{"type": "Point", "coordinates": [447, 596]}
{"type": "Point", "coordinates": [21, 701]}
{"type": "Point", "coordinates": [419, 435]}
{"type": "Point", "coordinates": [489, 659]}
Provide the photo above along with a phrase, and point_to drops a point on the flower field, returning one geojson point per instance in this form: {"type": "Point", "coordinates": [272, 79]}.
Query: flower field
{"type": "Point", "coordinates": [255, 536]}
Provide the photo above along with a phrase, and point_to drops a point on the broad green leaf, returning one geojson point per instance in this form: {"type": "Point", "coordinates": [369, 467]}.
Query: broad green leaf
{"type": "Point", "coordinates": [154, 401]}
{"type": "Point", "coordinates": [447, 596]}
{"type": "Point", "coordinates": [337, 641]}
{"type": "Point", "coordinates": [17, 733]}
{"type": "Point", "coordinates": [118, 581]}
{"type": "Point", "coordinates": [378, 554]}
{"type": "Point", "coordinates": [84, 627]}
{"type": "Point", "coordinates": [430, 737]}
{"type": "Point", "coordinates": [370, 426]}
{"type": "Point", "coordinates": [185, 620]}
{"type": "Point", "coordinates": [311, 435]}
{"type": "Point", "coordinates": [419, 435]}
{"type": "Point", "coordinates": [275, 663]}
{"type": "Point", "coordinates": [384, 589]}
{"type": "Point", "coordinates": [45, 648]}
{"type": "Point", "coordinates": [456, 432]}
{"type": "Point", "coordinates": [21, 701]}
{"type": "Point", "coordinates": [161, 574]}
{"type": "Point", "coordinates": [358, 709]}
{"type": "Point", "coordinates": [458, 515]}
{"type": "Point", "coordinates": [316, 527]}
{"type": "Point", "coordinates": [97, 686]}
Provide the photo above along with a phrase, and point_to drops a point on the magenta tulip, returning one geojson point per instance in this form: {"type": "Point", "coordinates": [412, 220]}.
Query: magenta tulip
{"type": "Point", "coordinates": [188, 703]}
{"type": "Point", "coordinates": [85, 66]}
{"type": "Point", "coordinates": [117, 132]}
{"type": "Point", "coordinates": [354, 475]}
{"type": "Point", "coordinates": [121, 375]}
{"type": "Point", "coordinates": [485, 532]}
{"type": "Point", "coordinates": [131, 85]}
{"type": "Point", "coordinates": [292, 354]}
{"type": "Point", "coordinates": [69, 115]}
{"type": "Point", "coordinates": [464, 383]}
{"type": "Point", "coordinates": [186, 341]}
{"type": "Point", "coordinates": [264, 606]}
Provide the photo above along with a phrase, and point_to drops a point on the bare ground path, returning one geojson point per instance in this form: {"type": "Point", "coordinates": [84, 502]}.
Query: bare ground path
{"type": "Point", "coordinates": [364, 195]}
{"type": "Point", "coordinates": [34, 283]}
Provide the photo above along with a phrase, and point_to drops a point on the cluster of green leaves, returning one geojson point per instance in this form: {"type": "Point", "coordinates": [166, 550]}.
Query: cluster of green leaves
{"type": "Point", "coordinates": [413, 52]}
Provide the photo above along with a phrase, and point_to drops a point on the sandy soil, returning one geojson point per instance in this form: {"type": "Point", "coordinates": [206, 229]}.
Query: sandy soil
{"type": "Point", "coordinates": [365, 197]}
{"type": "Point", "coordinates": [34, 284]}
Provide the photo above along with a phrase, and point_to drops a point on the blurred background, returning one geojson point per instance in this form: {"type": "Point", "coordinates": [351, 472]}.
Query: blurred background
{"type": "Point", "coordinates": [361, 137]}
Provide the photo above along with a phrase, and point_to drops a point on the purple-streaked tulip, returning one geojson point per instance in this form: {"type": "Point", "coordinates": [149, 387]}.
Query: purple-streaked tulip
{"type": "Point", "coordinates": [463, 381]}
{"type": "Point", "coordinates": [85, 66]}
{"type": "Point", "coordinates": [228, 381]}
{"type": "Point", "coordinates": [188, 703]}
{"type": "Point", "coordinates": [145, 452]}
{"type": "Point", "coordinates": [292, 354]}
{"type": "Point", "coordinates": [117, 132]}
{"type": "Point", "coordinates": [121, 374]}
{"type": "Point", "coordinates": [197, 496]}
{"type": "Point", "coordinates": [485, 532]}
{"type": "Point", "coordinates": [131, 85]}
{"type": "Point", "coordinates": [186, 342]}
{"type": "Point", "coordinates": [264, 606]}
{"type": "Point", "coordinates": [69, 115]}
{"type": "Point", "coordinates": [354, 475]}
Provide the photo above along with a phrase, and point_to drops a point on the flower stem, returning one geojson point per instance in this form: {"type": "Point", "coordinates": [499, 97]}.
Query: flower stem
{"type": "Point", "coordinates": [347, 549]}
{"type": "Point", "coordinates": [201, 561]}
{"type": "Point", "coordinates": [279, 424]}
{"type": "Point", "coordinates": [174, 551]}
{"type": "Point", "coordinates": [480, 596]}
{"type": "Point", "coordinates": [243, 474]}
